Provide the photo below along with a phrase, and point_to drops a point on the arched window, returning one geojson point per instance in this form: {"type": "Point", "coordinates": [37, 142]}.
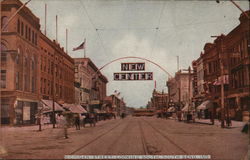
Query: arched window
{"type": "Point", "coordinates": [18, 26]}
{"type": "Point", "coordinates": [18, 56]}
{"type": "Point", "coordinates": [4, 21]}
{"type": "Point", "coordinates": [3, 53]}
{"type": "Point", "coordinates": [32, 63]}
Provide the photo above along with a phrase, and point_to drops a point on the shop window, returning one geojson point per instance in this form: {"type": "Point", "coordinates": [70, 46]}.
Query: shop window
{"type": "Point", "coordinates": [4, 21]}
{"type": "Point", "coordinates": [3, 78]}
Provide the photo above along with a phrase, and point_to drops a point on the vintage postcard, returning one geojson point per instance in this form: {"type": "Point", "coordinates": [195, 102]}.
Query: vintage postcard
{"type": "Point", "coordinates": [125, 79]}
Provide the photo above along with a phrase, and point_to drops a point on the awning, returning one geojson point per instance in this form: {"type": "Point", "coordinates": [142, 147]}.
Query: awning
{"type": "Point", "coordinates": [74, 108]}
{"type": "Point", "coordinates": [97, 110]}
{"type": "Point", "coordinates": [205, 105]}
{"type": "Point", "coordinates": [185, 108]}
{"type": "Point", "coordinates": [48, 106]}
{"type": "Point", "coordinates": [171, 109]}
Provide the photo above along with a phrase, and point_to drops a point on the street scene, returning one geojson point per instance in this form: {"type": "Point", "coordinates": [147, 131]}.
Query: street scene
{"type": "Point", "coordinates": [125, 79]}
{"type": "Point", "coordinates": [129, 136]}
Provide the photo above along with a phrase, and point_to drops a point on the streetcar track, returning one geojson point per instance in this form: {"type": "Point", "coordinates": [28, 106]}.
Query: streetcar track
{"type": "Point", "coordinates": [166, 137]}
{"type": "Point", "coordinates": [95, 139]}
{"type": "Point", "coordinates": [117, 139]}
{"type": "Point", "coordinates": [143, 139]}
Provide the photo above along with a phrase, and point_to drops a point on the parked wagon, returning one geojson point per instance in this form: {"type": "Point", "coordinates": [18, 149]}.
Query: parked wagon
{"type": "Point", "coordinates": [89, 119]}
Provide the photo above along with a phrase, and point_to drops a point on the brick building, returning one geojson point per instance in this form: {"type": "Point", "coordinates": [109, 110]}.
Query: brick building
{"type": "Point", "coordinates": [32, 66]}
{"type": "Point", "coordinates": [19, 64]}
{"type": "Point", "coordinates": [159, 100]}
{"type": "Point", "coordinates": [57, 72]}
{"type": "Point", "coordinates": [91, 82]}
{"type": "Point", "coordinates": [238, 49]}
{"type": "Point", "coordinates": [226, 61]}
{"type": "Point", "coordinates": [178, 87]}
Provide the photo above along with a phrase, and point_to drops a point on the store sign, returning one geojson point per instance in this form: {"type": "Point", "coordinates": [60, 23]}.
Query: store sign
{"type": "Point", "coordinates": [94, 102]}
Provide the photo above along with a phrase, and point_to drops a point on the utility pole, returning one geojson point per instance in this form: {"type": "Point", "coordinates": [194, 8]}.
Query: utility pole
{"type": "Point", "coordinates": [53, 95]}
{"type": "Point", "coordinates": [221, 82]}
{"type": "Point", "coordinates": [189, 86]}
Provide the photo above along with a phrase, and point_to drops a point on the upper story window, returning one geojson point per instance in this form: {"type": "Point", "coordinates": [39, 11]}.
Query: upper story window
{"type": "Point", "coordinates": [18, 26]}
{"type": "Point", "coordinates": [26, 31]}
{"type": "Point", "coordinates": [22, 28]}
{"type": "Point", "coordinates": [29, 34]}
{"type": "Point", "coordinates": [3, 54]}
{"type": "Point", "coordinates": [3, 78]}
{"type": "Point", "coordinates": [4, 21]}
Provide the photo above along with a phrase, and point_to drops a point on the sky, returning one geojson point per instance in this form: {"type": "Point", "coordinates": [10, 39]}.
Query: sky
{"type": "Point", "coordinates": [156, 30]}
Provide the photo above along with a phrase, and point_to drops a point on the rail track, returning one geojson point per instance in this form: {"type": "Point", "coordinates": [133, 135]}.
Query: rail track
{"type": "Point", "coordinates": [166, 137]}
{"type": "Point", "coordinates": [95, 139]}
{"type": "Point", "coordinates": [143, 140]}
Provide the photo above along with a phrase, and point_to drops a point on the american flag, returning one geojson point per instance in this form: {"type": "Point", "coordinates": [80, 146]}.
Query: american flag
{"type": "Point", "coordinates": [82, 46]}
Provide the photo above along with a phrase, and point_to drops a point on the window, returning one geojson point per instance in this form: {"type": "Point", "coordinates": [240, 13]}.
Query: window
{"type": "Point", "coordinates": [32, 64]}
{"type": "Point", "coordinates": [3, 78]}
{"type": "Point", "coordinates": [4, 21]}
{"type": "Point", "coordinates": [22, 28]}
{"type": "Point", "coordinates": [35, 39]}
{"type": "Point", "coordinates": [18, 26]}
{"type": "Point", "coordinates": [33, 85]}
{"type": "Point", "coordinates": [29, 34]}
{"type": "Point", "coordinates": [3, 54]}
{"type": "Point", "coordinates": [17, 80]}
{"type": "Point", "coordinates": [26, 31]}
{"type": "Point", "coordinates": [25, 82]}
{"type": "Point", "coordinates": [18, 56]}
{"type": "Point", "coordinates": [32, 36]}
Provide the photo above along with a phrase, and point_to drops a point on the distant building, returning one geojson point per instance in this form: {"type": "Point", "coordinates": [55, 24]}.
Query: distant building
{"type": "Point", "coordinates": [159, 100]}
{"type": "Point", "coordinates": [178, 87]}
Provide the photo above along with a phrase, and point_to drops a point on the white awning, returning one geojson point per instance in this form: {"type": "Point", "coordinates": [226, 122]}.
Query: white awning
{"type": "Point", "coordinates": [48, 106]}
{"type": "Point", "coordinates": [205, 105]}
{"type": "Point", "coordinates": [185, 109]}
{"type": "Point", "coordinates": [74, 108]}
{"type": "Point", "coordinates": [171, 109]}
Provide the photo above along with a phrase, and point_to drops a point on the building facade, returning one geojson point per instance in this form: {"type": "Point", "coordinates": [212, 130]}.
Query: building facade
{"type": "Point", "coordinates": [57, 72]}
{"type": "Point", "coordinates": [19, 64]}
{"type": "Point", "coordinates": [238, 50]}
{"type": "Point", "coordinates": [32, 67]}
{"type": "Point", "coordinates": [91, 82]}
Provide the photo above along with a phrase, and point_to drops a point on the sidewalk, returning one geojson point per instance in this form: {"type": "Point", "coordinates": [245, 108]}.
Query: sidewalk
{"type": "Point", "coordinates": [235, 124]}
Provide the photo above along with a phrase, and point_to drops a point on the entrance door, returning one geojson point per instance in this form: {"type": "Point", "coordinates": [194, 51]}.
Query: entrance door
{"type": "Point", "coordinates": [5, 116]}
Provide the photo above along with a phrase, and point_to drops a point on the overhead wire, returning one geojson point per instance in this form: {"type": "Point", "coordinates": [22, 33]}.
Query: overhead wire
{"type": "Point", "coordinates": [96, 29]}
{"type": "Point", "coordinates": [157, 28]}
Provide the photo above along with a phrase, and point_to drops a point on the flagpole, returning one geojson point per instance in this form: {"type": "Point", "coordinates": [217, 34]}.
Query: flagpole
{"type": "Point", "coordinates": [84, 47]}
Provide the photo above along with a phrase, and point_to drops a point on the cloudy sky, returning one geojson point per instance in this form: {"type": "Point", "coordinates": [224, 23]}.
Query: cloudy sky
{"type": "Point", "coordinates": [155, 30]}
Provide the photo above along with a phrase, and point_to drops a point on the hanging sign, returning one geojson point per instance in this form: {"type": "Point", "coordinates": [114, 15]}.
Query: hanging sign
{"type": "Point", "coordinates": [128, 76]}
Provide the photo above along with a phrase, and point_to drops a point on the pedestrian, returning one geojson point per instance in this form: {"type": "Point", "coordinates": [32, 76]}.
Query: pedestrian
{"type": "Point", "coordinates": [77, 122]}
{"type": "Point", "coordinates": [65, 126]}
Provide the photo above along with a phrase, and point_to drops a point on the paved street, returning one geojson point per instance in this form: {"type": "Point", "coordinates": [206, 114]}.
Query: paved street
{"type": "Point", "coordinates": [129, 136]}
